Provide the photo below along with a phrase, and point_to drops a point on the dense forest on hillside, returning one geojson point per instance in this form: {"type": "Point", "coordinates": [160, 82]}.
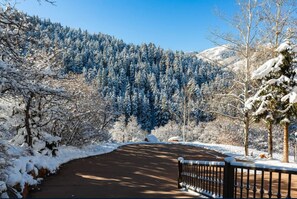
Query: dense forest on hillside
{"type": "Point", "coordinates": [145, 81]}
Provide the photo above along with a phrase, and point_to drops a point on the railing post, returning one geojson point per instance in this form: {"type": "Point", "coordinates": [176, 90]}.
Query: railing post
{"type": "Point", "coordinates": [228, 180]}
{"type": "Point", "coordinates": [180, 164]}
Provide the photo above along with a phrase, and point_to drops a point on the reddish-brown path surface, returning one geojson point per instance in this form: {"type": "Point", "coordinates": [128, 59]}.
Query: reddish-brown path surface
{"type": "Point", "coordinates": [132, 171]}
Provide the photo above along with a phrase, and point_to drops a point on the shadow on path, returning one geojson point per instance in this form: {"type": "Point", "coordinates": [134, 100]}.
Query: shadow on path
{"type": "Point", "coordinates": [132, 171]}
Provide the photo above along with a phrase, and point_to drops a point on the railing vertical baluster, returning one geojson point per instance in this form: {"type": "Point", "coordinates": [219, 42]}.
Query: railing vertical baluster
{"type": "Point", "coordinates": [206, 179]}
{"type": "Point", "coordinates": [188, 174]}
{"type": "Point", "coordinates": [199, 177]}
{"type": "Point", "coordinates": [184, 173]}
{"type": "Point", "coordinates": [255, 184]}
{"type": "Point", "coordinates": [270, 185]}
{"type": "Point", "coordinates": [208, 174]}
{"type": "Point", "coordinates": [204, 175]}
{"type": "Point", "coordinates": [195, 176]}
{"type": "Point", "coordinates": [289, 185]}
{"type": "Point", "coordinates": [235, 183]}
{"type": "Point", "coordinates": [248, 183]}
{"type": "Point", "coordinates": [216, 181]}
{"type": "Point", "coordinates": [213, 181]}
{"type": "Point", "coordinates": [209, 179]}
{"type": "Point", "coordinates": [279, 195]}
{"type": "Point", "coordinates": [191, 175]}
{"type": "Point", "coordinates": [241, 182]}
{"type": "Point", "coordinates": [220, 182]}
{"type": "Point", "coordinates": [262, 184]}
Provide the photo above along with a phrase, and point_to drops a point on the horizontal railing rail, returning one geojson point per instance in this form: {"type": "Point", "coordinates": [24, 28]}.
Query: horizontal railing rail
{"type": "Point", "coordinates": [231, 179]}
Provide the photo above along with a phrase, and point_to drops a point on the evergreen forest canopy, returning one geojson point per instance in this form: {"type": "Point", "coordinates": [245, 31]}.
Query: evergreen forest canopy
{"type": "Point", "coordinates": [145, 81]}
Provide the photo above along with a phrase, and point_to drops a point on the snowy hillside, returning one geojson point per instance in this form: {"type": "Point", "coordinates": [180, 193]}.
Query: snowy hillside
{"type": "Point", "coordinates": [221, 56]}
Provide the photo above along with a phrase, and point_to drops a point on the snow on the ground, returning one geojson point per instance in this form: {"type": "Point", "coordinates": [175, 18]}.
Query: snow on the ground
{"type": "Point", "coordinates": [175, 139]}
{"type": "Point", "coordinates": [192, 193]}
{"type": "Point", "coordinates": [152, 138]}
{"type": "Point", "coordinates": [219, 54]}
{"type": "Point", "coordinates": [23, 163]}
{"type": "Point", "coordinates": [238, 153]}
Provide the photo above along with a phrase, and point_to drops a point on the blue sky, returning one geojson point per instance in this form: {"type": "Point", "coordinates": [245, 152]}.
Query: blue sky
{"type": "Point", "coordinates": [170, 24]}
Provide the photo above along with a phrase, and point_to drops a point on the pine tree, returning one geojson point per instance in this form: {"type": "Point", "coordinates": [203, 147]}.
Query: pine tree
{"type": "Point", "coordinates": [277, 96]}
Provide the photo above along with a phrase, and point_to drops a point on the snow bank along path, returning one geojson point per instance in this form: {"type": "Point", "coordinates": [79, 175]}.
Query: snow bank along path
{"type": "Point", "coordinates": [23, 165]}
{"type": "Point", "coordinates": [137, 170]}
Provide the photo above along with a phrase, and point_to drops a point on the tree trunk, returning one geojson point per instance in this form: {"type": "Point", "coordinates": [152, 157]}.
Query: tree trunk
{"type": "Point", "coordinates": [184, 122]}
{"type": "Point", "coordinates": [246, 134]}
{"type": "Point", "coordinates": [184, 116]}
{"type": "Point", "coordinates": [29, 139]}
{"type": "Point", "coordinates": [270, 144]}
{"type": "Point", "coordinates": [286, 143]}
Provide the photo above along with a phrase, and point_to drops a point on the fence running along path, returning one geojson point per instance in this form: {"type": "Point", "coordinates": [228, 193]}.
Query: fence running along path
{"type": "Point", "coordinates": [231, 179]}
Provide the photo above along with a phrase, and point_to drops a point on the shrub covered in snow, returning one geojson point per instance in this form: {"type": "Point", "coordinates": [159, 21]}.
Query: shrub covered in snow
{"type": "Point", "coordinates": [167, 131]}
{"type": "Point", "coordinates": [43, 143]}
{"type": "Point", "coordinates": [223, 130]}
{"type": "Point", "coordinates": [130, 132]}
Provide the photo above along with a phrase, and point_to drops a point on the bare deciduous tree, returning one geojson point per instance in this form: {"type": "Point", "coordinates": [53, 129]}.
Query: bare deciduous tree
{"type": "Point", "coordinates": [242, 42]}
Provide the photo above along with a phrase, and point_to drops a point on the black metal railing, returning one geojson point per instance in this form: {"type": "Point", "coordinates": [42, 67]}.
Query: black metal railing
{"type": "Point", "coordinates": [231, 179]}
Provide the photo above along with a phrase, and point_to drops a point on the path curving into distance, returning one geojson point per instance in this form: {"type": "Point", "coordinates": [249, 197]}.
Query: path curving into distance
{"type": "Point", "coordinates": [131, 171]}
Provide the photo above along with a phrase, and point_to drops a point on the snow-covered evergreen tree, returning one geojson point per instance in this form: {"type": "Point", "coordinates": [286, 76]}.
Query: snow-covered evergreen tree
{"type": "Point", "coordinates": [275, 99]}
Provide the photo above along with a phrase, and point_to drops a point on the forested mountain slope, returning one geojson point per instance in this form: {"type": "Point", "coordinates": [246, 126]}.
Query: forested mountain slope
{"type": "Point", "coordinates": [141, 80]}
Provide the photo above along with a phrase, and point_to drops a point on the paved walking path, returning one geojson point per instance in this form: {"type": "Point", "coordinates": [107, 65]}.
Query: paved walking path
{"type": "Point", "coordinates": [132, 171]}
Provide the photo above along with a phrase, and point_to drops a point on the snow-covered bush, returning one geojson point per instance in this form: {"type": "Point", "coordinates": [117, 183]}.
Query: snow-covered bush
{"type": "Point", "coordinates": [131, 132]}
{"type": "Point", "coordinates": [3, 161]}
{"type": "Point", "coordinates": [118, 130]}
{"type": "Point", "coordinates": [43, 143]}
{"type": "Point", "coordinates": [163, 133]}
{"type": "Point", "coordinates": [10, 117]}
{"type": "Point", "coordinates": [223, 130]}
{"type": "Point", "coordinates": [219, 131]}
